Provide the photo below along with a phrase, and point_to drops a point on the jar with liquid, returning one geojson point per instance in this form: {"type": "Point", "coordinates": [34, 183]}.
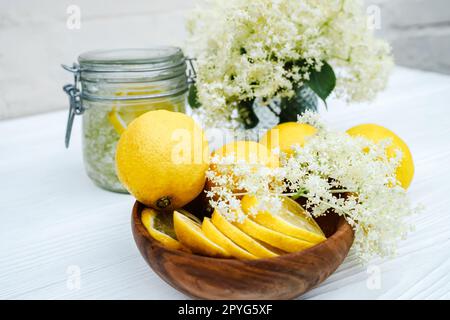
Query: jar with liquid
{"type": "Point", "coordinates": [111, 89]}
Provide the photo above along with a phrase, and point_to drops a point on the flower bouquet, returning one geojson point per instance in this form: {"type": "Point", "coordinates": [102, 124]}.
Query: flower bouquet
{"type": "Point", "coordinates": [282, 54]}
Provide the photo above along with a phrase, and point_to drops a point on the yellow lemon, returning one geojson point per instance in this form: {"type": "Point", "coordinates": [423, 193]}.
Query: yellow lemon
{"type": "Point", "coordinates": [160, 227]}
{"type": "Point", "coordinates": [241, 238]}
{"type": "Point", "coordinates": [162, 158]}
{"type": "Point", "coordinates": [286, 135]}
{"type": "Point", "coordinates": [376, 133]}
{"type": "Point", "coordinates": [219, 238]}
{"type": "Point", "coordinates": [272, 237]}
{"type": "Point", "coordinates": [290, 220]}
{"type": "Point", "coordinates": [250, 152]}
{"type": "Point", "coordinates": [191, 235]}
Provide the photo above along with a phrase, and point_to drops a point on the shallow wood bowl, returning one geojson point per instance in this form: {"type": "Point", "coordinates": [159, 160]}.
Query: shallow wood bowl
{"type": "Point", "coordinates": [284, 277]}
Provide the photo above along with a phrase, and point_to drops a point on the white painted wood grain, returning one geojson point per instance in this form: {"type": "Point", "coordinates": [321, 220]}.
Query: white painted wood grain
{"type": "Point", "coordinates": [53, 217]}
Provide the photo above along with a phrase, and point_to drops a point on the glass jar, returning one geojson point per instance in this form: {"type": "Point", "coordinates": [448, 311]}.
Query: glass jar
{"type": "Point", "coordinates": [113, 87]}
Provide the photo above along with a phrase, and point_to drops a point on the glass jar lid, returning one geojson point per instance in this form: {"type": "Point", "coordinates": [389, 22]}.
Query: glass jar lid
{"type": "Point", "coordinates": [133, 73]}
{"type": "Point", "coordinates": [137, 59]}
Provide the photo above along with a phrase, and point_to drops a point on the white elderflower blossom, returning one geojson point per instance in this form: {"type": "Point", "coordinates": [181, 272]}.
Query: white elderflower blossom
{"type": "Point", "coordinates": [351, 176]}
{"type": "Point", "coordinates": [264, 49]}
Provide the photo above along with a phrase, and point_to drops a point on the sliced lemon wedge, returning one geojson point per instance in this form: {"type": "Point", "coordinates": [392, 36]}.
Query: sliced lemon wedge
{"type": "Point", "coordinates": [115, 119]}
{"type": "Point", "coordinates": [160, 227]}
{"type": "Point", "coordinates": [219, 238]}
{"type": "Point", "coordinates": [120, 118]}
{"type": "Point", "coordinates": [272, 237]}
{"type": "Point", "coordinates": [292, 220]}
{"type": "Point", "coordinates": [122, 114]}
{"type": "Point", "coordinates": [240, 238]}
{"type": "Point", "coordinates": [189, 233]}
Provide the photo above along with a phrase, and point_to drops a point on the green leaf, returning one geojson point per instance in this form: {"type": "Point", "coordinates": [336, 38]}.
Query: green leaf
{"type": "Point", "coordinates": [247, 114]}
{"type": "Point", "coordinates": [322, 82]}
{"type": "Point", "coordinates": [193, 97]}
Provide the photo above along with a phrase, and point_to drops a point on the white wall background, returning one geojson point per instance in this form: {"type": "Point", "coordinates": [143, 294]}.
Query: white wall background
{"type": "Point", "coordinates": [34, 40]}
{"type": "Point", "coordinates": [419, 31]}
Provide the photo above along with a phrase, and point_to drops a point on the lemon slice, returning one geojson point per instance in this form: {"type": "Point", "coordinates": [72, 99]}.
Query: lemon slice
{"type": "Point", "coordinates": [122, 115]}
{"type": "Point", "coordinates": [121, 118]}
{"type": "Point", "coordinates": [218, 237]}
{"type": "Point", "coordinates": [291, 220]}
{"type": "Point", "coordinates": [272, 237]}
{"type": "Point", "coordinates": [117, 122]}
{"type": "Point", "coordinates": [160, 227]}
{"type": "Point", "coordinates": [189, 215]}
{"type": "Point", "coordinates": [240, 238]}
{"type": "Point", "coordinates": [190, 234]}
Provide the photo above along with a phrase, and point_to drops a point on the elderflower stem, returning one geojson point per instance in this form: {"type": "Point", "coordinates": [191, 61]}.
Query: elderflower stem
{"type": "Point", "coordinates": [240, 193]}
{"type": "Point", "coordinates": [272, 193]}
{"type": "Point", "coordinates": [340, 190]}
{"type": "Point", "coordinates": [331, 205]}
{"type": "Point", "coordinates": [294, 195]}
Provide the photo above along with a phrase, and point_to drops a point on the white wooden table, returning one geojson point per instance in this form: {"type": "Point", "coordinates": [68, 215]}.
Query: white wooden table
{"type": "Point", "coordinates": [63, 238]}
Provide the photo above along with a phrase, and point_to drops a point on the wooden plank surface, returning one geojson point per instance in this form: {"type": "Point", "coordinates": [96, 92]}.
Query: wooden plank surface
{"type": "Point", "coordinates": [63, 238]}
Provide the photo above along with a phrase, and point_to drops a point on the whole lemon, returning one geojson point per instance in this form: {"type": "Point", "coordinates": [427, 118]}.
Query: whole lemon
{"type": "Point", "coordinates": [250, 152]}
{"type": "Point", "coordinates": [376, 133]}
{"type": "Point", "coordinates": [162, 158]}
{"type": "Point", "coordinates": [286, 135]}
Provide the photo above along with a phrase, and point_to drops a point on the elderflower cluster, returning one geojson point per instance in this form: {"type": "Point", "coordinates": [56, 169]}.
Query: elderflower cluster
{"type": "Point", "coordinates": [229, 178]}
{"type": "Point", "coordinates": [264, 49]}
{"type": "Point", "coordinates": [351, 176]}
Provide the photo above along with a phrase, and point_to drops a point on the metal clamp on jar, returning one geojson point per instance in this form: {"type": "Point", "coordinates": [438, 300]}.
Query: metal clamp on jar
{"type": "Point", "coordinates": [113, 87]}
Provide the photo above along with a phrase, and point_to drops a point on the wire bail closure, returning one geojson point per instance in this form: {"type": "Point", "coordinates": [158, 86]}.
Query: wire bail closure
{"type": "Point", "coordinates": [75, 102]}
{"type": "Point", "coordinates": [192, 73]}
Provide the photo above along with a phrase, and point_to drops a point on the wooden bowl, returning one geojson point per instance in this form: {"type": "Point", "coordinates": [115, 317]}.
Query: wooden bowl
{"type": "Point", "coordinates": [284, 277]}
